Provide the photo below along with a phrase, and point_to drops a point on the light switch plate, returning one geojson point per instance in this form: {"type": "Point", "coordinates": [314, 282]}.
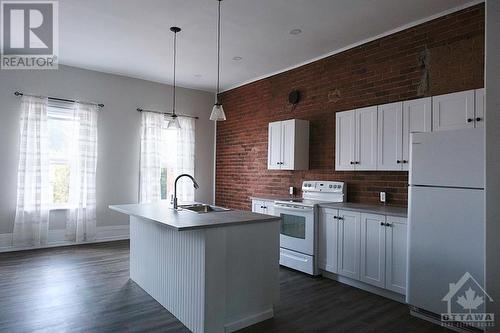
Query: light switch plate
{"type": "Point", "coordinates": [382, 197]}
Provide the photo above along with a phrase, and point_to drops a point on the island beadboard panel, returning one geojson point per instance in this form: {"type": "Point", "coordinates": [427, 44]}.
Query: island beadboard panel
{"type": "Point", "coordinates": [437, 57]}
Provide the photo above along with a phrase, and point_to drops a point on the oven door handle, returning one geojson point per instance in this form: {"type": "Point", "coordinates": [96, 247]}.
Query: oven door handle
{"type": "Point", "coordinates": [296, 209]}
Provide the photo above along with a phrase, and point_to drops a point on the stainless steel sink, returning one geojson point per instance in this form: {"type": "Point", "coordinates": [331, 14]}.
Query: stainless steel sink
{"type": "Point", "coordinates": [202, 208]}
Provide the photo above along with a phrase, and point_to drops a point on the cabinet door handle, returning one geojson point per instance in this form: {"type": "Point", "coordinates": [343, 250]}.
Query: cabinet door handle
{"type": "Point", "coordinates": [479, 119]}
{"type": "Point", "coordinates": [356, 162]}
{"type": "Point", "coordinates": [336, 217]}
{"type": "Point", "coordinates": [470, 120]}
{"type": "Point", "coordinates": [388, 225]}
{"type": "Point", "coordinates": [382, 223]}
{"type": "Point", "coordinates": [398, 161]}
{"type": "Point", "coordinates": [340, 218]}
{"type": "Point", "coordinates": [351, 162]}
{"type": "Point", "coordinates": [405, 161]}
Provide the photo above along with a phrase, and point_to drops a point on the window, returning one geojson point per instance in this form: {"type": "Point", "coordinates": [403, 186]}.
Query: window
{"type": "Point", "coordinates": [168, 160]}
{"type": "Point", "coordinates": [61, 128]}
{"type": "Point", "coordinates": [165, 154]}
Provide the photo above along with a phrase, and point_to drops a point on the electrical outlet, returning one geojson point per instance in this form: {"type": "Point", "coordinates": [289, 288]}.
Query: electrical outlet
{"type": "Point", "coordinates": [382, 197]}
{"type": "Point", "coordinates": [292, 190]}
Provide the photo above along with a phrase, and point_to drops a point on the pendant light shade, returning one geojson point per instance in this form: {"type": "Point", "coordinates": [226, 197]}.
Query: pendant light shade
{"type": "Point", "coordinates": [218, 111]}
{"type": "Point", "coordinates": [173, 122]}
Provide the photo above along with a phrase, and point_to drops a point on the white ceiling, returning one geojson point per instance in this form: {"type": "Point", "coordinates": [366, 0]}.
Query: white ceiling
{"type": "Point", "coordinates": [132, 37]}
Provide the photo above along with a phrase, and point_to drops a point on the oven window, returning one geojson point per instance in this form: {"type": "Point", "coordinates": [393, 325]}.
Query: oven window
{"type": "Point", "coordinates": [293, 226]}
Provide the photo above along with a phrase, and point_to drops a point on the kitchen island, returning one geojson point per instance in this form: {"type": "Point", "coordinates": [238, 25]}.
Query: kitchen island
{"type": "Point", "coordinates": [215, 271]}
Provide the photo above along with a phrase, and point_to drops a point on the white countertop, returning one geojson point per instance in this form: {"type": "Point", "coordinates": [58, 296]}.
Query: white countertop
{"type": "Point", "coordinates": [162, 212]}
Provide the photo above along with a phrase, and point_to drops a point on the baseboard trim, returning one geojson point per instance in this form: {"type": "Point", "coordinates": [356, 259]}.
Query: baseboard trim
{"type": "Point", "coordinates": [57, 238]}
{"type": "Point", "coordinates": [415, 312]}
{"type": "Point", "coordinates": [248, 321]}
{"type": "Point", "coordinates": [114, 232]}
{"type": "Point", "coordinates": [5, 241]}
{"type": "Point", "coordinates": [366, 287]}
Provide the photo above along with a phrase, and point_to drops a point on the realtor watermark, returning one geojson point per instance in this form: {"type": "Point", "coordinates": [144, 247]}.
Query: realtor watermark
{"type": "Point", "coordinates": [29, 34]}
{"type": "Point", "coordinates": [466, 302]}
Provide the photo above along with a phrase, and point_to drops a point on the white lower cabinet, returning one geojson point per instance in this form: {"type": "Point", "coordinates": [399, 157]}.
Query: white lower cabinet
{"type": "Point", "coordinates": [396, 248]}
{"type": "Point", "coordinates": [348, 243]}
{"type": "Point", "coordinates": [370, 248]}
{"type": "Point", "coordinates": [327, 243]}
{"type": "Point", "coordinates": [263, 207]}
{"type": "Point", "coordinates": [373, 232]}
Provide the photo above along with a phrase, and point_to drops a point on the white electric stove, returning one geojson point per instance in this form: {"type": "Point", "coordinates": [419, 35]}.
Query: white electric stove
{"type": "Point", "coordinates": [299, 223]}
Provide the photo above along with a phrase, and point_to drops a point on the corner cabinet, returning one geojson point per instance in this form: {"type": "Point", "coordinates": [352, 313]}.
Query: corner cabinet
{"type": "Point", "coordinates": [356, 139]}
{"type": "Point", "coordinates": [370, 248]}
{"type": "Point", "coordinates": [288, 145]}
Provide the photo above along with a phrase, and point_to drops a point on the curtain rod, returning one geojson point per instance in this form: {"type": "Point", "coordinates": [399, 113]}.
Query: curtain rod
{"type": "Point", "coordinates": [169, 113]}
{"type": "Point", "coordinates": [17, 93]}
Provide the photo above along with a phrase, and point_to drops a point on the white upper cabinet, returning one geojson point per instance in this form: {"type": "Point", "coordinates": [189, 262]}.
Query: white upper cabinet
{"type": "Point", "coordinates": [356, 139]}
{"type": "Point", "coordinates": [288, 145]}
{"type": "Point", "coordinates": [479, 108]}
{"type": "Point", "coordinates": [378, 137]}
{"type": "Point", "coordinates": [345, 136]}
{"type": "Point", "coordinates": [366, 137]}
{"type": "Point", "coordinates": [417, 117]}
{"type": "Point", "coordinates": [453, 111]}
{"type": "Point", "coordinates": [274, 146]}
{"type": "Point", "coordinates": [390, 136]}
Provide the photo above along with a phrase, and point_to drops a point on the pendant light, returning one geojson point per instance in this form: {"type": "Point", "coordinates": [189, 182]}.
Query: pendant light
{"type": "Point", "coordinates": [217, 111]}
{"type": "Point", "coordinates": [174, 121]}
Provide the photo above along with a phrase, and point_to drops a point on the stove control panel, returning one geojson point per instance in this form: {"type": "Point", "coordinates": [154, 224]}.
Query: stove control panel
{"type": "Point", "coordinates": [324, 191]}
{"type": "Point", "coordinates": [323, 186]}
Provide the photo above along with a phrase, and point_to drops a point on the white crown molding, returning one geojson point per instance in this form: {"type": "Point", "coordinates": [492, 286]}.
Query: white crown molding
{"type": "Point", "coordinates": [364, 41]}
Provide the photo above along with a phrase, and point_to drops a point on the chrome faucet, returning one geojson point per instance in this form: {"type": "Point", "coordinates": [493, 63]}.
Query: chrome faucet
{"type": "Point", "coordinates": [195, 184]}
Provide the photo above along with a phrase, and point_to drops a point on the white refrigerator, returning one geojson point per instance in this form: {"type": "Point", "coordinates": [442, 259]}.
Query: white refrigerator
{"type": "Point", "coordinates": [445, 214]}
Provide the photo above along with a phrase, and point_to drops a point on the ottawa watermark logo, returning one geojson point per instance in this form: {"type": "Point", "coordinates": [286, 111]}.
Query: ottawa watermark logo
{"type": "Point", "coordinates": [466, 302]}
{"type": "Point", "coordinates": [29, 34]}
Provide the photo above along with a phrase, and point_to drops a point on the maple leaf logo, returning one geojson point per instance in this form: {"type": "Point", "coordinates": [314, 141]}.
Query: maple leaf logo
{"type": "Point", "coordinates": [470, 301]}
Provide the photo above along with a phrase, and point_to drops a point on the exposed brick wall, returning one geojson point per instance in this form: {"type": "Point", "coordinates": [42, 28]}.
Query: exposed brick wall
{"type": "Point", "coordinates": [437, 57]}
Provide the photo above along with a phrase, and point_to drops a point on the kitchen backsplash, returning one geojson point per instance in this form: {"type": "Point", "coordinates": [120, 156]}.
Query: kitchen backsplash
{"type": "Point", "coordinates": [437, 57]}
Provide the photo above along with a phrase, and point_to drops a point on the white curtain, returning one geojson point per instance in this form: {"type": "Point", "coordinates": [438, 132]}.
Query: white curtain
{"type": "Point", "coordinates": [185, 158]}
{"type": "Point", "coordinates": [81, 221]}
{"type": "Point", "coordinates": [33, 192]}
{"type": "Point", "coordinates": [166, 148]}
{"type": "Point", "coordinates": [150, 167]}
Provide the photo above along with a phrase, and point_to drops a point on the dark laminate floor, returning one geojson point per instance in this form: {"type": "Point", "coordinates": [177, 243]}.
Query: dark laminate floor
{"type": "Point", "coordinates": [86, 289]}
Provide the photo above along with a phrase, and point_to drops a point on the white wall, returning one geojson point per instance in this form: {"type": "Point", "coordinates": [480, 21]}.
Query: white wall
{"type": "Point", "coordinates": [493, 157]}
{"type": "Point", "coordinates": [119, 132]}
